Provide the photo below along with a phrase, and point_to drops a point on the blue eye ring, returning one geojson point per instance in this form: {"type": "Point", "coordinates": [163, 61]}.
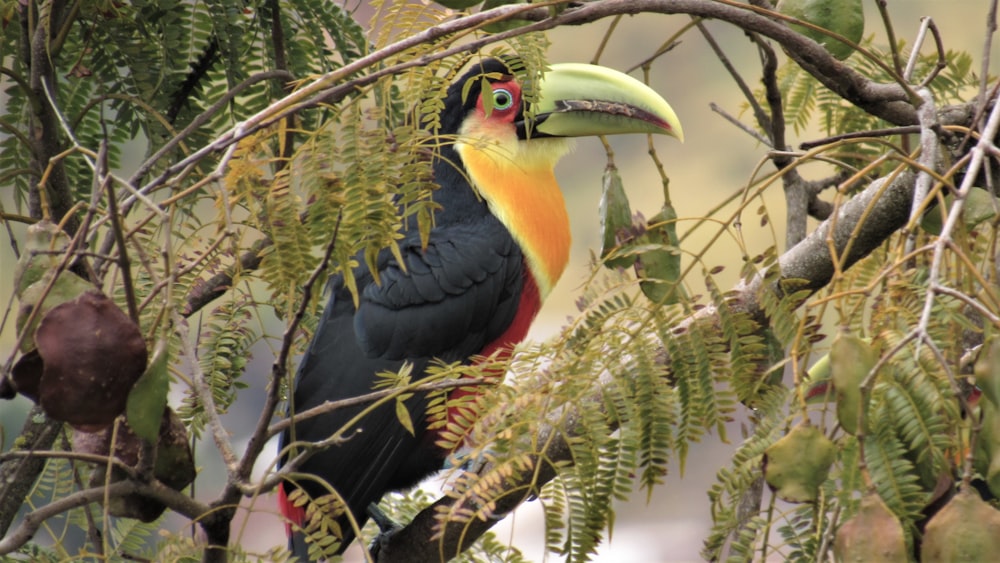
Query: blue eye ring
{"type": "Point", "coordinates": [503, 99]}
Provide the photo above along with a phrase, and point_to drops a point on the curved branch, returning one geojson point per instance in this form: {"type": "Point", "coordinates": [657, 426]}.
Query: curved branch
{"type": "Point", "coordinates": [176, 501]}
{"type": "Point", "coordinates": [887, 101]}
{"type": "Point", "coordinates": [859, 227]}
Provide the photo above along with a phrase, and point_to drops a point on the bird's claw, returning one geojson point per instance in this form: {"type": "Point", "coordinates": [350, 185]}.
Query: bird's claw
{"type": "Point", "coordinates": [387, 528]}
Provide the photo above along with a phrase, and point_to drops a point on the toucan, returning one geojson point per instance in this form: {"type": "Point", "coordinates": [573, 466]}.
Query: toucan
{"type": "Point", "coordinates": [500, 241]}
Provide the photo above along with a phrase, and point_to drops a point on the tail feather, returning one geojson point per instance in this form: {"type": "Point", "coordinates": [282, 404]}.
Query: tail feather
{"type": "Point", "coordinates": [294, 515]}
{"type": "Point", "coordinates": [298, 546]}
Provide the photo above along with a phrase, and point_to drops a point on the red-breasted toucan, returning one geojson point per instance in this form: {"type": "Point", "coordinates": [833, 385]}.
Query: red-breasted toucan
{"type": "Point", "coordinates": [499, 243]}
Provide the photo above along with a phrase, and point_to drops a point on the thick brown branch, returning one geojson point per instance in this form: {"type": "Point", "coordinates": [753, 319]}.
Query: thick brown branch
{"type": "Point", "coordinates": [175, 500]}
{"type": "Point", "coordinates": [859, 227]}
{"type": "Point", "coordinates": [57, 198]}
{"type": "Point", "coordinates": [852, 231]}
{"type": "Point", "coordinates": [206, 291]}
{"type": "Point", "coordinates": [17, 477]}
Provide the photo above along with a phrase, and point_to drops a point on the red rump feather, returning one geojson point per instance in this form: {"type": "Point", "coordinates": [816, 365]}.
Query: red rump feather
{"type": "Point", "coordinates": [293, 514]}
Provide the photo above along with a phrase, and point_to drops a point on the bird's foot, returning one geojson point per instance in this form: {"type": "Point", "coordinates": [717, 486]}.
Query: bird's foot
{"type": "Point", "coordinates": [387, 528]}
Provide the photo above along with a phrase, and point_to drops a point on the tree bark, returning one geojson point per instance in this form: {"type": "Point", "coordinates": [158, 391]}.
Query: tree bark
{"type": "Point", "coordinates": [859, 227]}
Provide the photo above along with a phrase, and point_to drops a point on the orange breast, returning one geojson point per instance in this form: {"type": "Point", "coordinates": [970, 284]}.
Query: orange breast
{"type": "Point", "coordinates": [522, 192]}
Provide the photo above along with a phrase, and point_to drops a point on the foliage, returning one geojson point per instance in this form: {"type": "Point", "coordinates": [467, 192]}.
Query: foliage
{"type": "Point", "coordinates": [627, 388]}
{"type": "Point", "coordinates": [916, 427]}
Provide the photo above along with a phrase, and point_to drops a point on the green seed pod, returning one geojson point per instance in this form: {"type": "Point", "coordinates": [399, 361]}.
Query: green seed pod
{"type": "Point", "coordinates": [42, 246]}
{"type": "Point", "coordinates": [658, 264]}
{"type": "Point", "coordinates": [980, 205]}
{"type": "Point", "coordinates": [851, 358]}
{"type": "Point", "coordinates": [987, 370]}
{"type": "Point", "coordinates": [67, 287]}
{"type": "Point", "coordinates": [874, 533]}
{"type": "Point", "coordinates": [986, 456]}
{"type": "Point", "coordinates": [966, 529]}
{"type": "Point", "coordinates": [616, 218]}
{"type": "Point", "coordinates": [796, 465]}
{"type": "Point", "coordinates": [42, 254]}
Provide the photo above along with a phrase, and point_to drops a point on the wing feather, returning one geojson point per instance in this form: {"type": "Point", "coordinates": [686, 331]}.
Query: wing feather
{"type": "Point", "coordinates": [454, 296]}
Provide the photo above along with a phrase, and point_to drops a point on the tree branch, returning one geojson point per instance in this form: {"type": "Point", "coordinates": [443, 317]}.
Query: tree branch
{"type": "Point", "coordinates": [175, 500]}
{"type": "Point", "coordinates": [859, 227]}
{"type": "Point", "coordinates": [888, 101]}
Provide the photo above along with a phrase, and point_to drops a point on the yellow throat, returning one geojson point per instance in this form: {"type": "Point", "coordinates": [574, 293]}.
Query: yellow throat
{"type": "Point", "coordinates": [517, 180]}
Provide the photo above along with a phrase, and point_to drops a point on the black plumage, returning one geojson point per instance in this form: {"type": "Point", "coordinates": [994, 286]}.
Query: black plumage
{"type": "Point", "coordinates": [454, 297]}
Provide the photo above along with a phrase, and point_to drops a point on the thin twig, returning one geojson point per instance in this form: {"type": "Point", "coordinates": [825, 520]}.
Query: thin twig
{"type": "Point", "coordinates": [32, 521]}
{"type": "Point", "coordinates": [915, 51]}
{"type": "Point", "coordinates": [739, 124]}
{"type": "Point", "coordinates": [368, 398]}
{"type": "Point", "coordinates": [984, 69]}
{"type": "Point", "coordinates": [763, 120]}
{"type": "Point", "coordinates": [279, 369]}
{"type": "Point", "coordinates": [928, 159]}
{"type": "Point", "coordinates": [124, 267]}
{"type": "Point", "coordinates": [891, 131]}
{"type": "Point", "coordinates": [942, 61]}
{"type": "Point", "coordinates": [955, 213]}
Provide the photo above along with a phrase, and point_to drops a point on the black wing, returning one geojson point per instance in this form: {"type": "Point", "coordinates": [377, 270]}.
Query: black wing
{"type": "Point", "coordinates": [454, 297]}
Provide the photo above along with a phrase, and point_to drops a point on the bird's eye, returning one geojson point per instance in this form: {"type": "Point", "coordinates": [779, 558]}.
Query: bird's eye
{"type": "Point", "coordinates": [503, 99]}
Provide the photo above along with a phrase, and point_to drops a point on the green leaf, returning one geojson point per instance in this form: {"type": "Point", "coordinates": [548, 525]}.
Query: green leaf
{"type": "Point", "coordinates": [843, 17]}
{"type": "Point", "coordinates": [403, 414]}
{"type": "Point", "coordinates": [148, 397]}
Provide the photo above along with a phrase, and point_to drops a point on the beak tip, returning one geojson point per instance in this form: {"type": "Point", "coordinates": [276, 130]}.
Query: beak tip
{"type": "Point", "coordinates": [677, 132]}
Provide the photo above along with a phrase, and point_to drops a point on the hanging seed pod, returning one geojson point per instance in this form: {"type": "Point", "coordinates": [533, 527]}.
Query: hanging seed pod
{"type": "Point", "coordinates": [986, 456]}
{"type": "Point", "coordinates": [874, 533]}
{"type": "Point", "coordinates": [966, 529]}
{"type": "Point", "coordinates": [980, 205]}
{"type": "Point", "coordinates": [658, 263]}
{"type": "Point", "coordinates": [851, 358]}
{"type": "Point", "coordinates": [91, 355]}
{"type": "Point", "coordinates": [796, 465]}
{"type": "Point", "coordinates": [616, 219]}
{"type": "Point", "coordinates": [43, 245]}
{"type": "Point", "coordinates": [174, 463]}
{"type": "Point", "coordinates": [38, 265]}
{"type": "Point", "coordinates": [987, 370]}
{"type": "Point", "coordinates": [67, 287]}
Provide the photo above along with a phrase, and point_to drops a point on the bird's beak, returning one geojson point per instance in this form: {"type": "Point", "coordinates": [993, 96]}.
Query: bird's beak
{"type": "Point", "coordinates": [577, 100]}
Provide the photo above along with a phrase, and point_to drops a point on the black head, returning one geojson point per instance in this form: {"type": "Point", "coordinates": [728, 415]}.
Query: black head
{"type": "Point", "coordinates": [505, 100]}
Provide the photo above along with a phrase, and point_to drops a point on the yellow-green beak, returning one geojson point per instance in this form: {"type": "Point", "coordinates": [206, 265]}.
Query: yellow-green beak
{"type": "Point", "coordinates": [577, 100]}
